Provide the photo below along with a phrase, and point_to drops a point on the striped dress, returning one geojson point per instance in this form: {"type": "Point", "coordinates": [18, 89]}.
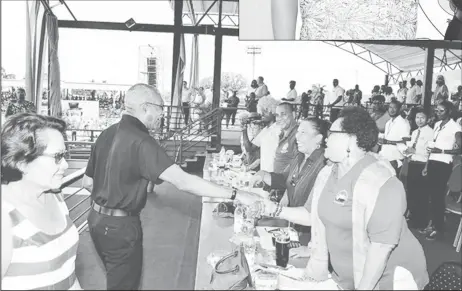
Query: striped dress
{"type": "Point", "coordinates": [41, 261]}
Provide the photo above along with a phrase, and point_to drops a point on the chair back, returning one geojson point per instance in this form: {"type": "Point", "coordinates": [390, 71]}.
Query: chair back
{"type": "Point", "coordinates": [446, 277]}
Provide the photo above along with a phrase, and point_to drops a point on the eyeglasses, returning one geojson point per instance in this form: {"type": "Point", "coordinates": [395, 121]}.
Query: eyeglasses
{"type": "Point", "coordinates": [57, 156]}
{"type": "Point", "coordinates": [150, 103]}
{"type": "Point", "coordinates": [329, 132]}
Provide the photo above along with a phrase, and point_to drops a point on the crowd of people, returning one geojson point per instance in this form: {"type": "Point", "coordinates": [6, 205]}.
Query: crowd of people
{"type": "Point", "coordinates": [356, 184]}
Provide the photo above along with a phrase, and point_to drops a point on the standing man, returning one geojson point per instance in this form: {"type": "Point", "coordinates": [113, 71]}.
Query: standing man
{"type": "Point", "coordinates": [262, 89]}
{"type": "Point", "coordinates": [231, 110]}
{"type": "Point", "coordinates": [419, 92]}
{"type": "Point", "coordinates": [124, 158]}
{"type": "Point", "coordinates": [186, 101]}
{"type": "Point", "coordinates": [357, 95]}
{"type": "Point", "coordinates": [395, 130]}
{"type": "Point", "coordinates": [21, 105]}
{"type": "Point", "coordinates": [411, 95]}
{"type": "Point", "coordinates": [287, 147]}
{"type": "Point", "coordinates": [336, 101]}
{"type": "Point", "coordinates": [292, 94]}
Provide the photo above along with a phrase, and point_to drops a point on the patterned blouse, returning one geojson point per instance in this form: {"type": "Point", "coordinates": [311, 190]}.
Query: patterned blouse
{"type": "Point", "coordinates": [25, 106]}
{"type": "Point", "coordinates": [358, 19]}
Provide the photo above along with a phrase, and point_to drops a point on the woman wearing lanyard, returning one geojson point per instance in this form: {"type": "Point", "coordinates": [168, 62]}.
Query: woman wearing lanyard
{"type": "Point", "coordinates": [439, 166]}
{"type": "Point", "coordinates": [417, 186]}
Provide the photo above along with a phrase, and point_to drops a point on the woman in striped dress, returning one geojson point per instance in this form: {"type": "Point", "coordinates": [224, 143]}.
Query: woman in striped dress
{"type": "Point", "coordinates": [39, 240]}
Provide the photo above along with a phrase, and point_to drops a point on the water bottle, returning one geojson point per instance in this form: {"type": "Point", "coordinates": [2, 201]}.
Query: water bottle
{"type": "Point", "coordinates": [238, 218]}
{"type": "Point", "coordinates": [222, 156]}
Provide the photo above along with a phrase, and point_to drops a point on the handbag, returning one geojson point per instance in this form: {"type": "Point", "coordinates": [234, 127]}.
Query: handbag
{"type": "Point", "coordinates": [231, 272]}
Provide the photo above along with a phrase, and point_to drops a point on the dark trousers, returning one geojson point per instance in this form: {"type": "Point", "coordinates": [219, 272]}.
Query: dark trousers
{"type": "Point", "coordinates": [334, 114]}
{"type": "Point", "coordinates": [418, 196]}
{"type": "Point", "coordinates": [438, 176]}
{"type": "Point", "coordinates": [231, 114]}
{"type": "Point", "coordinates": [186, 111]}
{"type": "Point", "coordinates": [74, 135]}
{"type": "Point", "coordinates": [119, 243]}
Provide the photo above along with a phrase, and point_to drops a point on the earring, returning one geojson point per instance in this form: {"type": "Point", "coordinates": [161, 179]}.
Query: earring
{"type": "Point", "coordinates": [348, 153]}
{"type": "Point", "coordinates": [318, 146]}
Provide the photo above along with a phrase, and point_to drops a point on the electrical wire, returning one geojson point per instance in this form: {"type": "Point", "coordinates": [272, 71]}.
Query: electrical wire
{"type": "Point", "coordinates": [430, 20]}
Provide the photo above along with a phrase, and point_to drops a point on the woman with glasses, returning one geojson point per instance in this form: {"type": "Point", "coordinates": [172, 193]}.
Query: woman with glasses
{"type": "Point", "coordinates": [39, 240]}
{"type": "Point", "coordinates": [298, 180]}
{"type": "Point", "coordinates": [356, 212]}
{"type": "Point", "coordinates": [439, 167]}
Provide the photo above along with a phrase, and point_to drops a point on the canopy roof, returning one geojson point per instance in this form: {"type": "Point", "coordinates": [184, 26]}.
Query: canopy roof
{"type": "Point", "coordinates": [400, 61]}
{"type": "Point", "coordinates": [206, 11]}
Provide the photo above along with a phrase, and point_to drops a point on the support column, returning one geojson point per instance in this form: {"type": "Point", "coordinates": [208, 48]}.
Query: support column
{"type": "Point", "coordinates": [428, 77]}
{"type": "Point", "coordinates": [387, 79]}
{"type": "Point", "coordinates": [217, 74]}
{"type": "Point", "coordinates": [173, 112]}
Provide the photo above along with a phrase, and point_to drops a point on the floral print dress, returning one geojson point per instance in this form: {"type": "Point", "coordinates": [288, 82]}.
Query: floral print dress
{"type": "Point", "coordinates": [358, 19]}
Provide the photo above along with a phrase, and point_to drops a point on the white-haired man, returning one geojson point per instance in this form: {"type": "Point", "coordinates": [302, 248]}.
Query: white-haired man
{"type": "Point", "coordinates": [122, 162]}
{"type": "Point", "coordinates": [268, 138]}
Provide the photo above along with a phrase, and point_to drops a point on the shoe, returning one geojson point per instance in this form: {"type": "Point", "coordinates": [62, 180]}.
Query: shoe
{"type": "Point", "coordinates": [426, 230]}
{"type": "Point", "coordinates": [433, 235]}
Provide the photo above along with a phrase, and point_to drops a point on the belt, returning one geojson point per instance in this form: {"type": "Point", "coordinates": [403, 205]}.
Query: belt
{"type": "Point", "coordinates": [111, 211]}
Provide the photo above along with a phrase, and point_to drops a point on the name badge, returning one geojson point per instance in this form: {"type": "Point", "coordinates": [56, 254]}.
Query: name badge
{"type": "Point", "coordinates": [341, 197]}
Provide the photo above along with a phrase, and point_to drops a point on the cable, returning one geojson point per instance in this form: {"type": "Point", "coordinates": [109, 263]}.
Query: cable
{"type": "Point", "coordinates": [430, 20]}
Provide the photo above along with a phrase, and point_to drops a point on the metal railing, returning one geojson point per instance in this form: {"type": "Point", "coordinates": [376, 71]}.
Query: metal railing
{"type": "Point", "coordinates": [67, 181]}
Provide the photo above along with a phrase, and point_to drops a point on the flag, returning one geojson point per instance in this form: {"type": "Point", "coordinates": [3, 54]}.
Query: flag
{"type": "Point", "coordinates": [35, 48]}
{"type": "Point", "coordinates": [54, 73]}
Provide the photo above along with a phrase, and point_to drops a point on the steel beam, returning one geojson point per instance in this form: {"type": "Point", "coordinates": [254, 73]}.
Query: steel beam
{"type": "Point", "coordinates": [178, 20]}
{"type": "Point", "coordinates": [435, 44]}
{"type": "Point", "coordinates": [428, 77]}
{"type": "Point", "coordinates": [217, 73]}
{"type": "Point", "coordinates": [145, 27]}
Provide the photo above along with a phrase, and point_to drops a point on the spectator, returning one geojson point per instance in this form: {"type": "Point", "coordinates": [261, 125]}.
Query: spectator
{"type": "Point", "coordinates": [441, 92]}
{"type": "Point", "coordinates": [231, 110]}
{"type": "Point", "coordinates": [252, 103]}
{"type": "Point", "coordinates": [262, 89]}
{"type": "Point", "coordinates": [337, 100]}
{"type": "Point", "coordinates": [21, 105]}
{"type": "Point", "coordinates": [379, 112]}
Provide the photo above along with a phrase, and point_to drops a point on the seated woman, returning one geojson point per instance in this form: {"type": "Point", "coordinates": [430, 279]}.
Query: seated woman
{"type": "Point", "coordinates": [39, 240]}
{"type": "Point", "coordinates": [298, 180]}
{"type": "Point", "coordinates": [356, 212]}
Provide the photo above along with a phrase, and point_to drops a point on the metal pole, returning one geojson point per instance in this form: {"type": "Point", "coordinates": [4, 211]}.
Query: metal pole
{"type": "Point", "coordinates": [217, 75]}
{"type": "Point", "coordinates": [428, 78]}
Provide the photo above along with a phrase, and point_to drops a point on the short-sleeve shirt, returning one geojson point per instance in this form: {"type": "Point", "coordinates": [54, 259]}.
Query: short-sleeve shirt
{"type": "Point", "coordinates": [386, 225]}
{"type": "Point", "coordinates": [267, 140]}
{"type": "Point", "coordinates": [123, 160]}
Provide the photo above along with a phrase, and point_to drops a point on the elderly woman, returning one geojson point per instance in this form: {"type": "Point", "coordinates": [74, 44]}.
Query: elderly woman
{"type": "Point", "coordinates": [39, 240]}
{"type": "Point", "coordinates": [299, 179]}
{"type": "Point", "coordinates": [356, 212]}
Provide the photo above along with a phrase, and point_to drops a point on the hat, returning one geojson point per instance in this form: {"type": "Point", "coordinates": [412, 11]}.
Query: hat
{"type": "Point", "coordinates": [74, 105]}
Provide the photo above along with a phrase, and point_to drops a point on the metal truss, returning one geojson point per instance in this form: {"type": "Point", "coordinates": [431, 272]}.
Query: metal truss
{"type": "Point", "coordinates": [231, 21]}
{"type": "Point", "coordinates": [396, 74]}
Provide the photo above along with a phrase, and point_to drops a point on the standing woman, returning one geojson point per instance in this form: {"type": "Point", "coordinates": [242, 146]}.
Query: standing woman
{"type": "Point", "coordinates": [39, 240]}
{"type": "Point", "coordinates": [417, 187]}
{"type": "Point", "coordinates": [379, 112]}
{"type": "Point", "coordinates": [441, 151]}
{"type": "Point", "coordinates": [338, 19]}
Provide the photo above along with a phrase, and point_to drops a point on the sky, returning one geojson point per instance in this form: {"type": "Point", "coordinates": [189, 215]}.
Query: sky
{"type": "Point", "coordinates": [114, 56]}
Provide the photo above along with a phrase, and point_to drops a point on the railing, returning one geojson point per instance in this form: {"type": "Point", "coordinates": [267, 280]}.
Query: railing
{"type": "Point", "coordinates": [67, 181]}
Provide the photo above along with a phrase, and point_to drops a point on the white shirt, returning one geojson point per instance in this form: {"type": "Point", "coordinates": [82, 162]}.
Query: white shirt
{"type": "Point", "coordinates": [425, 136]}
{"type": "Point", "coordinates": [337, 91]}
{"type": "Point", "coordinates": [395, 130]}
{"type": "Point", "coordinates": [402, 92]}
{"type": "Point", "coordinates": [411, 96]}
{"type": "Point", "coordinates": [445, 139]}
{"type": "Point", "coordinates": [261, 91]}
{"type": "Point", "coordinates": [292, 94]}
{"type": "Point", "coordinates": [388, 97]}
{"type": "Point", "coordinates": [186, 95]}
{"type": "Point", "coordinates": [268, 141]}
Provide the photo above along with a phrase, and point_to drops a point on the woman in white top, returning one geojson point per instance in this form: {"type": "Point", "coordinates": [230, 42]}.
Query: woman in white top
{"type": "Point", "coordinates": [39, 240]}
{"type": "Point", "coordinates": [340, 19]}
{"type": "Point", "coordinates": [417, 185]}
{"type": "Point", "coordinates": [441, 151]}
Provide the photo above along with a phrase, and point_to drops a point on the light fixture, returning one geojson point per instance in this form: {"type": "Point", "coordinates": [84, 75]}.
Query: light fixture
{"type": "Point", "coordinates": [130, 23]}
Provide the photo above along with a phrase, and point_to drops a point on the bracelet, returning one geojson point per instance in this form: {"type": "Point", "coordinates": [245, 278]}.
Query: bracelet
{"type": "Point", "coordinates": [279, 210]}
{"type": "Point", "coordinates": [234, 193]}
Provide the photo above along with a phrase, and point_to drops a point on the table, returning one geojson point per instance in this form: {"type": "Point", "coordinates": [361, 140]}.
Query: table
{"type": "Point", "coordinates": [213, 237]}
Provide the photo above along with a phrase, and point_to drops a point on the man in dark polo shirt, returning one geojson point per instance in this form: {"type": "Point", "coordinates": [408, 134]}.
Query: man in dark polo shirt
{"type": "Point", "coordinates": [123, 161]}
{"type": "Point", "coordinates": [287, 148]}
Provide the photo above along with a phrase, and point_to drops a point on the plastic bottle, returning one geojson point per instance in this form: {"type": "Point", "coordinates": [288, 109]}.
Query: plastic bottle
{"type": "Point", "coordinates": [238, 218]}
{"type": "Point", "coordinates": [223, 155]}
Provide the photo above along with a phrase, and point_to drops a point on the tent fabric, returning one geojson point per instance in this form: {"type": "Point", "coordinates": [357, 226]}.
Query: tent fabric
{"type": "Point", "coordinates": [412, 58]}
{"type": "Point", "coordinates": [54, 73]}
{"type": "Point", "coordinates": [35, 48]}
{"type": "Point", "coordinates": [201, 6]}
